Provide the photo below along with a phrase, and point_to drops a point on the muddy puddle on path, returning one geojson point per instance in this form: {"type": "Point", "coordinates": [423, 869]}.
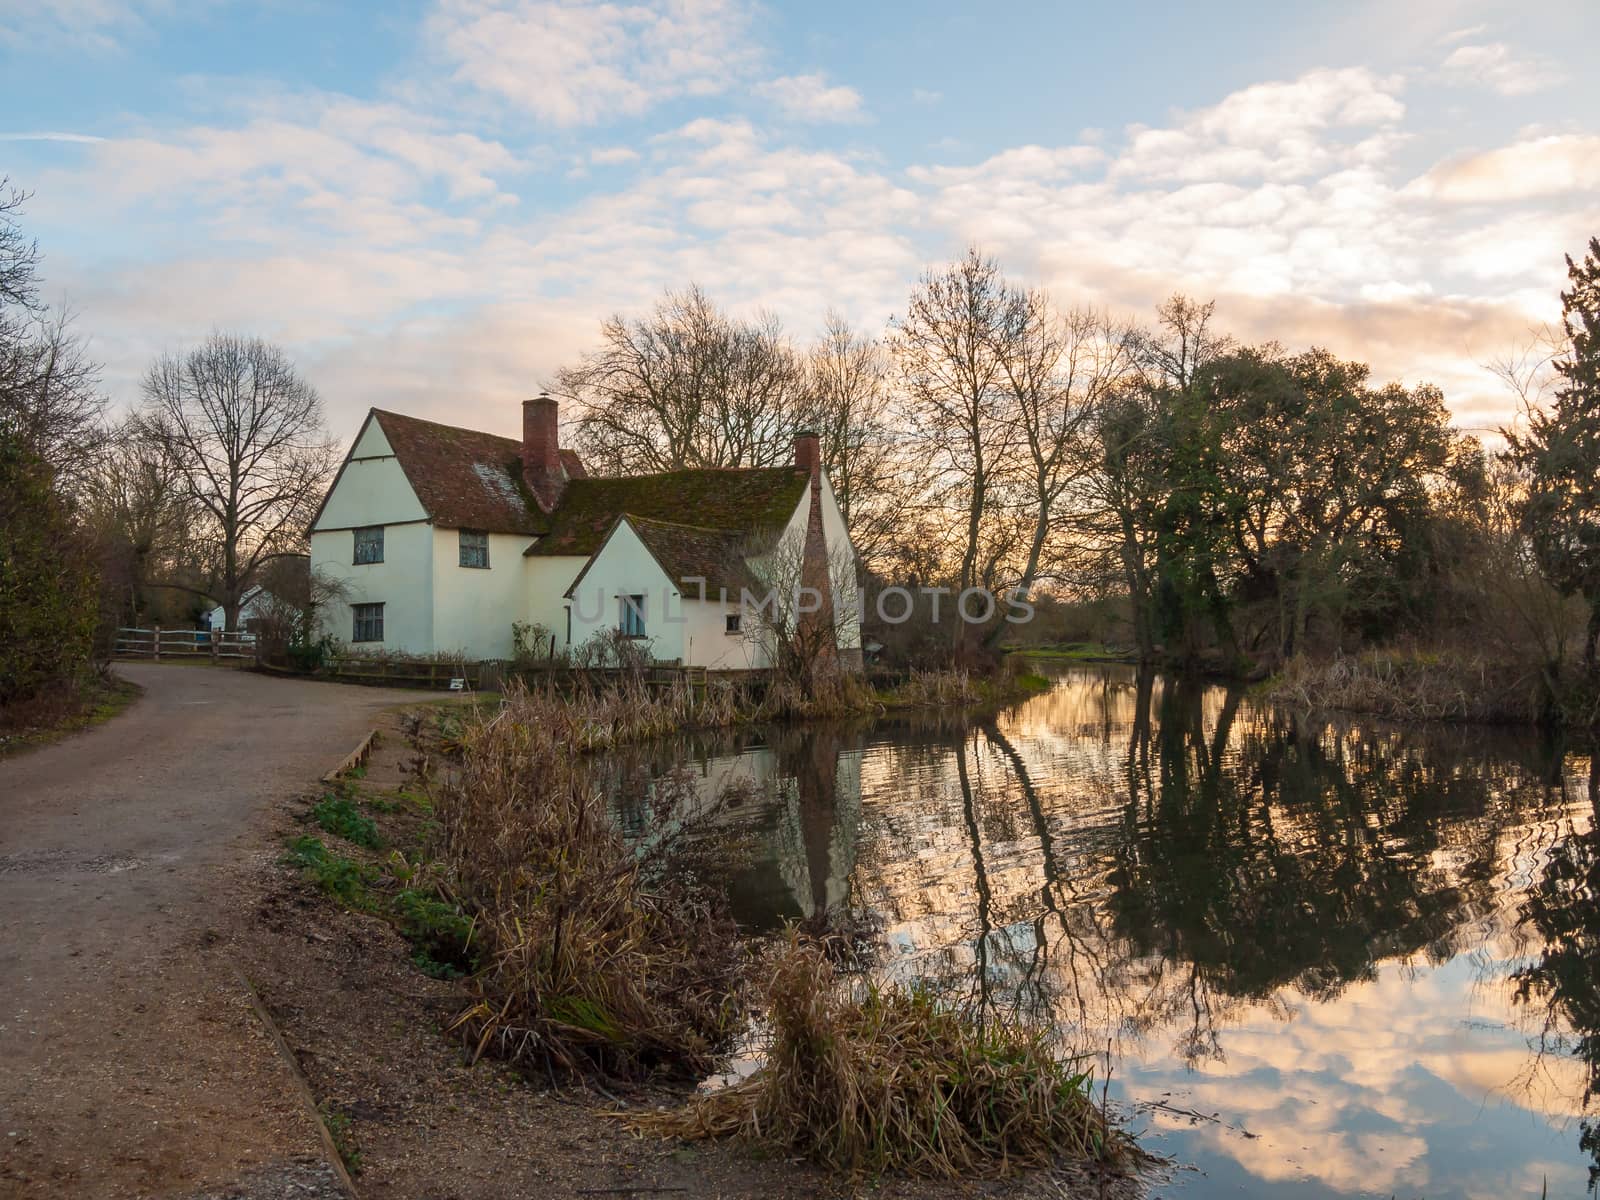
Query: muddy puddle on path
{"type": "Point", "coordinates": [1321, 958]}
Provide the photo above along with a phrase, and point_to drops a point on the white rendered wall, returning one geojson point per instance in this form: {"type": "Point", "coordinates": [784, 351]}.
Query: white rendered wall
{"type": "Point", "coordinates": [402, 583]}
{"type": "Point", "coordinates": [372, 489]}
{"type": "Point", "coordinates": [545, 585]}
{"type": "Point", "coordinates": [623, 567]}
{"type": "Point", "coordinates": [475, 607]}
{"type": "Point", "coordinates": [707, 642]}
{"type": "Point", "coordinates": [779, 567]}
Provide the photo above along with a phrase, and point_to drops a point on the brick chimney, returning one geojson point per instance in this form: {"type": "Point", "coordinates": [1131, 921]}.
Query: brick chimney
{"type": "Point", "coordinates": [808, 454]}
{"type": "Point", "coordinates": [541, 450]}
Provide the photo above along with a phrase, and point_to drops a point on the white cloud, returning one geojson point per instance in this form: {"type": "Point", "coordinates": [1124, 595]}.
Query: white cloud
{"type": "Point", "coordinates": [1495, 65]}
{"type": "Point", "coordinates": [100, 26]}
{"type": "Point", "coordinates": [926, 96]}
{"type": "Point", "coordinates": [351, 229]}
{"type": "Point", "coordinates": [50, 136]}
{"type": "Point", "coordinates": [809, 98]}
{"type": "Point", "coordinates": [572, 63]}
{"type": "Point", "coordinates": [1547, 166]}
{"type": "Point", "coordinates": [1280, 130]}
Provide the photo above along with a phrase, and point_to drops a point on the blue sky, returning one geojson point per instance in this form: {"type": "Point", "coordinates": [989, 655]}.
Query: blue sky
{"type": "Point", "coordinates": [433, 204]}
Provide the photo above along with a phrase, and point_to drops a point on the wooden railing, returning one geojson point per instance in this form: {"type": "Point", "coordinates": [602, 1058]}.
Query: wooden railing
{"type": "Point", "coordinates": [158, 643]}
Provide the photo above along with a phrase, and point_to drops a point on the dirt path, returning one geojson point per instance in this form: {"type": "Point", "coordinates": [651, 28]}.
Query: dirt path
{"type": "Point", "coordinates": [131, 1063]}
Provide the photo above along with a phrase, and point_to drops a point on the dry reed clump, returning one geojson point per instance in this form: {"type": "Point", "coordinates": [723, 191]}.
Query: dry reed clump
{"type": "Point", "coordinates": [595, 954]}
{"type": "Point", "coordinates": [940, 689]}
{"type": "Point", "coordinates": [888, 1079]}
{"type": "Point", "coordinates": [1416, 686]}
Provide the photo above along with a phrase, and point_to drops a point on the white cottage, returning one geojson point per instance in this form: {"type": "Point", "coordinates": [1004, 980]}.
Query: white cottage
{"type": "Point", "coordinates": [444, 538]}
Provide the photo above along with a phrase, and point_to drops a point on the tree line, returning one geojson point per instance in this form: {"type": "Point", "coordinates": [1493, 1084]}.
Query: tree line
{"type": "Point", "coordinates": [1239, 504]}
{"type": "Point", "coordinates": [1213, 502]}
{"type": "Point", "coordinates": [198, 494]}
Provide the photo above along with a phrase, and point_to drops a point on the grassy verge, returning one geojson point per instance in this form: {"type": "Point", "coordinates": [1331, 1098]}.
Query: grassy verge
{"type": "Point", "coordinates": [51, 718]}
{"type": "Point", "coordinates": [371, 853]}
{"type": "Point", "coordinates": [881, 1078]}
{"type": "Point", "coordinates": [1073, 652]}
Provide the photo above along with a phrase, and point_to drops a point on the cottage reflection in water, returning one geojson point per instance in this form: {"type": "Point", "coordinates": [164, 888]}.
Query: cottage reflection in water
{"type": "Point", "coordinates": [1372, 953]}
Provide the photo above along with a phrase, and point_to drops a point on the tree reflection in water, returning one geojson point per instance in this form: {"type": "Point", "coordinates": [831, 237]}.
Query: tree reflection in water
{"type": "Point", "coordinates": [1137, 859]}
{"type": "Point", "coordinates": [1564, 908]}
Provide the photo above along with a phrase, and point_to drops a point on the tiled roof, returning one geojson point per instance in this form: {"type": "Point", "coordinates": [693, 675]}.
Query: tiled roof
{"type": "Point", "coordinates": [466, 479]}
{"type": "Point", "coordinates": [687, 552]}
{"type": "Point", "coordinates": [747, 503]}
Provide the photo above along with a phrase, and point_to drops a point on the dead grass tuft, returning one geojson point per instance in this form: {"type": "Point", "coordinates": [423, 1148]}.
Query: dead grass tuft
{"type": "Point", "coordinates": [594, 953]}
{"type": "Point", "coordinates": [882, 1078]}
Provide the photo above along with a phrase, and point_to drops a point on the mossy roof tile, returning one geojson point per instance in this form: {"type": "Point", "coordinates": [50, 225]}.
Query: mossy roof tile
{"type": "Point", "coordinates": [749, 503]}
{"type": "Point", "coordinates": [466, 479]}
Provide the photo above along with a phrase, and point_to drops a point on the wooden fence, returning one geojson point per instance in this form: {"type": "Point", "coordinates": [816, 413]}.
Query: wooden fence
{"type": "Point", "coordinates": [487, 675]}
{"type": "Point", "coordinates": [187, 644]}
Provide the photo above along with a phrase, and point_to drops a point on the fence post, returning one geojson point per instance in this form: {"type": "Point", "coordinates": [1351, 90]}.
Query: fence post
{"type": "Point", "coordinates": [212, 638]}
{"type": "Point", "coordinates": [157, 632]}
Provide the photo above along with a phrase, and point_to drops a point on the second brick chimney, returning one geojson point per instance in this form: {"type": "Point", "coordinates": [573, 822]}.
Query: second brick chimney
{"type": "Point", "coordinates": [541, 451]}
{"type": "Point", "coordinates": [808, 453]}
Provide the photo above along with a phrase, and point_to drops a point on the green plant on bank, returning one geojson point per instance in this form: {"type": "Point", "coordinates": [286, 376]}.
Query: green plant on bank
{"type": "Point", "coordinates": [339, 816]}
{"type": "Point", "coordinates": [439, 933]}
{"type": "Point", "coordinates": [76, 709]}
{"type": "Point", "coordinates": [335, 874]}
{"type": "Point", "coordinates": [885, 1078]}
{"type": "Point", "coordinates": [1032, 681]}
{"type": "Point", "coordinates": [342, 1131]}
{"type": "Point", "coordinates": [312, 654]}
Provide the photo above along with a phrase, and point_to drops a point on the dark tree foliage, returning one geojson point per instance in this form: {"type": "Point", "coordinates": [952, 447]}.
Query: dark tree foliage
{"type": "Point", "coordinates": [1564, 909]}
{"type": "Point", "coordinates": [1560, 453]}
{"type": "Point", "coordinates": [48, 586]}
{"type": "Point", "coordinates": [1262, 496]}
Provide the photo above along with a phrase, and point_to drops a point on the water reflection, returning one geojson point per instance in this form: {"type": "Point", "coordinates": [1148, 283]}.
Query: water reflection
{"type": "Point", "coordinates": [1371, 953]}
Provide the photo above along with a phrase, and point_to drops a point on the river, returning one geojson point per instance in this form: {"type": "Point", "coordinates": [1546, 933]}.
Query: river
{"type": "Point", "coordinates": [1318, 958]}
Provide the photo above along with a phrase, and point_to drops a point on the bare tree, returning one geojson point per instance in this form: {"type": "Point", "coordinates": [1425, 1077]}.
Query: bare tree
{"type": "Point", "coordinates": [848, 403]}
{"type": "Point", "coordinates": [19, 254]}
{"type": "Point", "coordinates": [687, 386]}
{"type": "Point", "coordinates": [948, 349]}
{"type": "Point", "coordinates": [247, 437]}
{"type": "Point", "coordinates": [1059, 369]}
{"type": "Point", "coordinates": [806, 608]}
{"type": "Point", "coordinates": [50, 394]}
{"type": "Point", "coordinates": [138, 505]}
{"type": "Point", "coordinates": [49, 389]}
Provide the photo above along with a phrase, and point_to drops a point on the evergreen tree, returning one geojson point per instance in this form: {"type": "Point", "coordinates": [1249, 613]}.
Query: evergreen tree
{"type": "Point", "coordinates": [48, 602]}
{"type": "Point", "coordinates": [1560, 453]}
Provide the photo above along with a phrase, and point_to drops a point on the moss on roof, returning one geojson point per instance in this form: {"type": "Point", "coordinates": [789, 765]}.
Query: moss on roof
{"type": "Point", "coordinates": [466, 479]}
{"type": "Point", "coordinates": [713, 557]}
{"type": "Point", "coordinates": [749, 503]}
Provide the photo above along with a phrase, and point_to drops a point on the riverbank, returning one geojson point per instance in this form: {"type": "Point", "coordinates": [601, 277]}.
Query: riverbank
{"type": "Point", "coordinates": [1416, 684]}
{"type": "Point", "coordinates": [356, 951]}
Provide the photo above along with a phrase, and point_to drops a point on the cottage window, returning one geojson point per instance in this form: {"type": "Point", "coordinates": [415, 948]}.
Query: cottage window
{"type": "Point", "coordinates": [474, 549]}
{"type": "Point", "coordinates": [369, 545]}
{"type": "Point", "coordinates": [735, 621]}
{"type": "Point", "coordinates": [631, 623]}
{"type": "Point", "coordinates": [367, 623]}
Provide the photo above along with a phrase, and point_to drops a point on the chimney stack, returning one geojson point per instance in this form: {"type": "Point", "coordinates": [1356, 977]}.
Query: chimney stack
{"type": "Point", "coordinates": [808, 454]}
{"type": "Point", "coordinates": [541, 450]}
